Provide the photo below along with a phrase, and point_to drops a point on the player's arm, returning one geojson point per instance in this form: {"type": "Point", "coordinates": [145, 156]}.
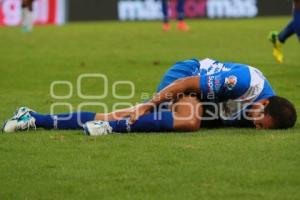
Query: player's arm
{"type": "Point", "coordinates": [181, 86]}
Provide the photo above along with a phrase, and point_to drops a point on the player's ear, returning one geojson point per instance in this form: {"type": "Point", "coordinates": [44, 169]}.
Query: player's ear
{"type": "Point", "coordinates": [265, 102]}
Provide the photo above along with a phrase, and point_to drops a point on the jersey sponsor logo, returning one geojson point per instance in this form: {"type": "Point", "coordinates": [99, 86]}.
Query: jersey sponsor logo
{"type": "Point", "coordinates": [230, 82]}
{"type": "Point", "coordinates": [214, 84]}
{"type": "Point", "coordinates": [217, 84]}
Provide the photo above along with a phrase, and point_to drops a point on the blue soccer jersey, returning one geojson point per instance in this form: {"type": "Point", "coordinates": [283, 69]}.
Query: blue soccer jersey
{"type": "Point", "coordinates": [232, 86]}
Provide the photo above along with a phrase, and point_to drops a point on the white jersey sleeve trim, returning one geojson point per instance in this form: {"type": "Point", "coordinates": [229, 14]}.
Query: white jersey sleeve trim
{"type": "Point", "coordinates": [206, 63]}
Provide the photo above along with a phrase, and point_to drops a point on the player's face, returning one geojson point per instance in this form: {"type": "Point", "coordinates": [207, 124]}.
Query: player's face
{"type": "Point", "coordinates": [259, 118]}
{"type": "Point", "coordinates": [264, 122]}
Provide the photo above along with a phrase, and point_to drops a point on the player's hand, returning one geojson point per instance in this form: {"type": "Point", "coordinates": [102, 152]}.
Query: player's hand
{"type": "Point", "coordinates": [139, 110]}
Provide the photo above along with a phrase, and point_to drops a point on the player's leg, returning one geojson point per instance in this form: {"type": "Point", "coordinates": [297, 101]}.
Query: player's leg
{"type": "Point", "coordinates": [24, 14]}
{"type": "Point", "coordinates": [31, 19]}
{"type": "Point", "coordinates": [184, 116]}
{"type": "Point", "coordinates": [180, 16]}
{"type": "Point", "coordinates": [293, 27]}
{"type": "Point", "coordinates": [297, 17]}
{"type": "Point", "coordinates": [187, 114]}
{"type": "Point", "coordinates": [65, 121]}
{"type": "Point", "coordinates": [25, 119]}
{"type": "Point", "coordinates": [27, 15]}
{"type": "Point", "coordinates": [165, 11]}
{"type": "Point", "coordinates": [116, 115]}
{"type": "Point", "coordinates": [288, 31]}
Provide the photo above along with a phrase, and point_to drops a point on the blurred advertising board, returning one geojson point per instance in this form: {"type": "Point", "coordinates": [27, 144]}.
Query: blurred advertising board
{"type": "Point", "coordinates": [151, 9]}
{"type": "Point", "coordinates": [45, 12]}
{"type": "Point", "coordinates": [57, 11]}
{"type": "Point", "coordinates": [88, 10]}
{"type": "Point", "coordinates": [130, 10]}
{"type": "Point", "coordinates": [275, 7]}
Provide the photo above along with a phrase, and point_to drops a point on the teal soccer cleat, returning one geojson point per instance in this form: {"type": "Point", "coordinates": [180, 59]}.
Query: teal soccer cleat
{"type": "Point", "coordinates": [21, 121]}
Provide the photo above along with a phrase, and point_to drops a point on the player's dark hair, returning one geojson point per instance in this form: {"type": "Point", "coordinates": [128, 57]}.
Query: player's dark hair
{"type": "Point", "coordinates": [282, 111]}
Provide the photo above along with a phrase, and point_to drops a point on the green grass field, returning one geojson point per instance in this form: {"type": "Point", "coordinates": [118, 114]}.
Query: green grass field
{"type": "Point", "coordinates": [209, 164]}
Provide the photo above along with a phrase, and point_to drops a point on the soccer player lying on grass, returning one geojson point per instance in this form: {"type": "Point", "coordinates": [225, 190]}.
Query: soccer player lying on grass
{"type": "Point", "coordinates": [240, 94]}
{"type": "Point", "coordinates": [293, 27]}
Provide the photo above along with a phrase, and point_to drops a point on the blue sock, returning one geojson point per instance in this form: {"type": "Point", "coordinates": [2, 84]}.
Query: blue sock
{"type": "Point", "coordinates": [165, 10]}
{"type": "Point", "coordinates": [291, 28]}
{"type": "Point", "coordinates": [66, 121]}
{"type": "Point", "coordinates": [180, 10]}
{"type": "Point", "coordinates": [153, 122]}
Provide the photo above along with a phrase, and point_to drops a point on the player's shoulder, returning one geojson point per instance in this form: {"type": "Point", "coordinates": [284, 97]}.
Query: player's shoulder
{"type": "Point", "coordinates": [234, 65]}
{"type": "Point", "coordinates": [207, 62]}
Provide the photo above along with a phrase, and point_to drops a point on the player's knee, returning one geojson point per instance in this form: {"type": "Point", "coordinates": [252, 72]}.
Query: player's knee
{"type": "Point", "coordinates": [188, 113]}
{"type": "Point", "coordinates": [186, 105]}
{"type": "Point", "coordinates": [193, 125]}
{"type": "Point", "coordinates": [187, 125]}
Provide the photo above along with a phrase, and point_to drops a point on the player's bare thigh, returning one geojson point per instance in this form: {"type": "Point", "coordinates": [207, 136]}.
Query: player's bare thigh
{"type": "Point", "coordinates": [187, 114]}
